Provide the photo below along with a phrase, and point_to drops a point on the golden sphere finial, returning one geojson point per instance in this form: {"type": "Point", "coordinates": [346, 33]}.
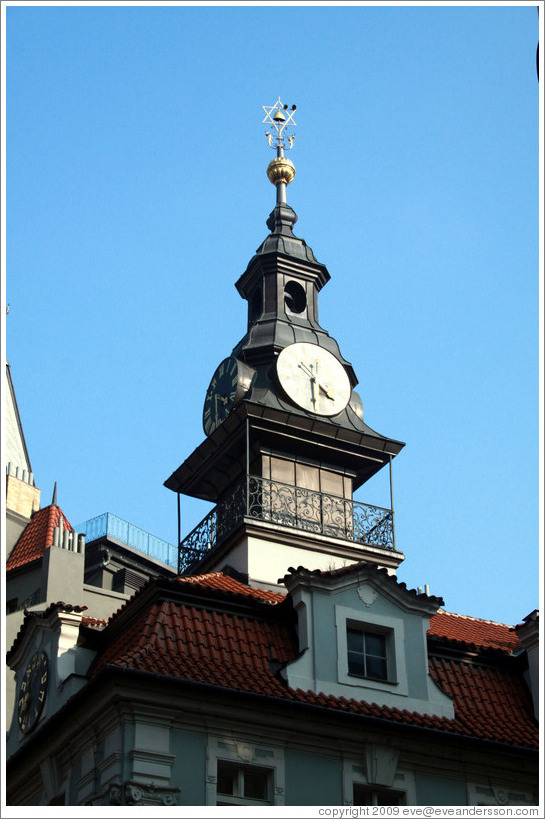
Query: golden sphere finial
{"type": "Point", "coordinates": [281, 169]}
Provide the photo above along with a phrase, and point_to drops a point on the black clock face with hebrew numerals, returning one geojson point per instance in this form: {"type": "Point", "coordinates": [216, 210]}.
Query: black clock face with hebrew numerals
{"type": "Point", "coordinates": [33, 690]}
{"type": "Point", "coordinates": [221, 394]}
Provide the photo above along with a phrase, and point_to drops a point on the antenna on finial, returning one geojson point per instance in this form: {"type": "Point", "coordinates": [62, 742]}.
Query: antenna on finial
{"type": "Point", "coordinates": [281, 170]}
{"type": "Point", "coordinates": [54, 500]}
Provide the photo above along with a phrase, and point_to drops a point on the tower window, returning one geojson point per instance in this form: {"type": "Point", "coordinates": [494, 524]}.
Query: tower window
{"type": "Point", "coordinates": [256, 305]}
{"type": "Point", "coordinates": [295, 297]}
{"type": "Point", "coordinates": [367, 655]}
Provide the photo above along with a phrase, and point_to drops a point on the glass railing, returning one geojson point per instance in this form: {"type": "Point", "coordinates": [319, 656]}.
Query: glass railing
{"type": "Point", "coordinates": [110, 525]}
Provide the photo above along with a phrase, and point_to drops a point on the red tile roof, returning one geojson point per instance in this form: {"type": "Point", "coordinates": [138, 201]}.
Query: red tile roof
{"type": "Point", "coordinates": [474, 632]}
{"type": "Point", "coordinates": [185, 641]}
{"type": "Point", "coordinates": [37, 537]}
{"type": "Point", "coordinates": [205, 646]}
{"type": "Point", "coordinates": [491, 703]}
{"type": "Point", "coordinates": [217, 580]}
{"type": "Point", "coordinates": [455, 627]}
{"type": "Point", "coordinates": [93, 622]}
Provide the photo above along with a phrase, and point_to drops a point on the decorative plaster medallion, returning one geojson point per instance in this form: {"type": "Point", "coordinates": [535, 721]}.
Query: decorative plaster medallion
{"type": "Point", "coordinates": [244, 752]}
{"type": "Point", "coordinates": [501, 796]}
{"type": "Point", "coordinates": [133, 794]}
{"type": "Point", "coordinates": [115, 795]}
{"type": "Point", "coordinates": [367, 594]}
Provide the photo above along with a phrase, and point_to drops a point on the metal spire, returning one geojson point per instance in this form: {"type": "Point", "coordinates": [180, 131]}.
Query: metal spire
{"type": "Point", "coordinates": [281, 170]}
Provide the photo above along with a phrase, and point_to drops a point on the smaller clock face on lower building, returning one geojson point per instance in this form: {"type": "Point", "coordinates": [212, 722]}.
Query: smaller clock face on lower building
{"type": "Point", "coordinates": [33, 691]}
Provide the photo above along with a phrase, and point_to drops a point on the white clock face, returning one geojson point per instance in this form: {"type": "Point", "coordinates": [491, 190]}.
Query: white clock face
{"type": "Point", "coordinates": [313, 378]}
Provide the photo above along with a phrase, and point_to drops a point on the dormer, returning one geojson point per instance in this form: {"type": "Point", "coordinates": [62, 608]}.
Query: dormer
{"type": "Point", "coordinates": [50, 665]}
{"type": "Point", "coordinates": [362, 635]}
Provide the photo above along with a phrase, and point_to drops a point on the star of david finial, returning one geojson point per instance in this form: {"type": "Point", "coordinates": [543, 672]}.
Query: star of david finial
{"type": "Point", "coordinates": [280, 117]}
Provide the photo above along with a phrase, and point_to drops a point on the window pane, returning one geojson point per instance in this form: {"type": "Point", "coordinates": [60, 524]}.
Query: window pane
{"type": "Point", "coordinates": [362, 796]}
{"type": "Point", "coordinates": [226, 779]}
{"type": "Point", "coordinates": [307, 477]}
{"type": "Point", "coordinates": [368, 796]}
{"type": "Point", "coordinates": [376, 668]}
{"type": "Point", "coordinates": [356, 664]}
{"type": "Point", "coordinates": [354, 640]}
{"type": "Point", "coordinates": [255, 784]}
{"type": "Point", "coordinates": [375, 644]}
{"type": "Point", "coordinates": [390, 798]}
{"type": "Point", "coordinates": [283, 471]}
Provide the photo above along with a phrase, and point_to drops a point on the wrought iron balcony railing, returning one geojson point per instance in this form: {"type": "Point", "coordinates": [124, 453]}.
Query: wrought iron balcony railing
{"type": "Point", "coordinates": [291, 506]}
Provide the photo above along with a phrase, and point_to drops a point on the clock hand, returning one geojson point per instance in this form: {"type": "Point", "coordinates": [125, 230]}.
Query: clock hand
{"type": "Point", "coordinates": [312, 377]}
{"type": "Point", "coordinates": [312, 390]}
{"type": "Point", "coordinates": [327, 392]}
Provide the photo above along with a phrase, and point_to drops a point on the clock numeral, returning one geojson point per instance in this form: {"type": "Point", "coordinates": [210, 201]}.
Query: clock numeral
{"type": "Point", "coordinates": [44, 678]}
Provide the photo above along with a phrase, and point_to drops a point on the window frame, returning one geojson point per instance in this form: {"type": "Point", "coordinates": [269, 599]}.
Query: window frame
{"type": "Point", "coordinates": [393, 628]}
{"type": "Point", "coordinates": [376, 791]}
{"type": "Point", "coordinates": [244, 753]}
{"type": "Point", "coordinates": [366, 654]}
{"type": "Point", "coordinates": [403, 782]}
{"type": "Point", "coordinates": [239, 797]}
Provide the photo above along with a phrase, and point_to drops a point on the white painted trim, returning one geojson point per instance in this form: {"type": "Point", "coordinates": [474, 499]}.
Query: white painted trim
{"type": "Point", "coordinates": [241, 751]}
{"type": "Point", "coordinates": [394, 630]}
{"type": "Point", "coordinates": [481, 793]}
{"type": "Point", "coordinates": [354, 774]}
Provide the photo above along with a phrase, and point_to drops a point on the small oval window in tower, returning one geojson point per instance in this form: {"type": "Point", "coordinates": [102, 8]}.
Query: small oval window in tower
{"type": "Point", "coordinates": [295, 297]}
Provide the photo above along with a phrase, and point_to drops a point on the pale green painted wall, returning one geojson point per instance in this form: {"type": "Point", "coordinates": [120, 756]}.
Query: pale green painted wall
{"type": "Point", "coordinates": [325, 635]}
{"type": "Point", "coordinates": [434, 790]}
{"type": "Point", "coordinates": [312, 779]}
{"type": "Point", "coordinates": [189, 768]}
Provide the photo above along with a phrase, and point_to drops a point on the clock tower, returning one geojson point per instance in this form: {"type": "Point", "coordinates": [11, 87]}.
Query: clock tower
{"type": "Point", "coordinates": [287, 444]}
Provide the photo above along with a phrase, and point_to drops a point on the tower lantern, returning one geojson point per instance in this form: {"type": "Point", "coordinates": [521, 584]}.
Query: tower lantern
{"type": "Point", "coordinates": [286, 443]}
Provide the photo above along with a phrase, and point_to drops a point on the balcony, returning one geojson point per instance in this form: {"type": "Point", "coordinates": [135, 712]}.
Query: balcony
{"type": "Point", "coordinates": [108, 525]}
{"type": "Point", "coordinates": [261, 499]}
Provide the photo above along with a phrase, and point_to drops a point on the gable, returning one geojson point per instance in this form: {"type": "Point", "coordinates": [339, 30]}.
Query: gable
{"type": "Point", "coordinates": [37, 537]}
{"type": "Point", "coordinates": [363, 635]}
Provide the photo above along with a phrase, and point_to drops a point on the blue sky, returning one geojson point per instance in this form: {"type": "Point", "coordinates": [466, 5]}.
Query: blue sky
{"type": "Point", "coordinates": [136, 195]}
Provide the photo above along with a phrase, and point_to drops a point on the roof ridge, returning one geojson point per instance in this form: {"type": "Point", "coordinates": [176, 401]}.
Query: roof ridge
{"type": "Point", "coordinates": [237, 587]}
{"type": "Point", "coordinates": [475, 619]}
